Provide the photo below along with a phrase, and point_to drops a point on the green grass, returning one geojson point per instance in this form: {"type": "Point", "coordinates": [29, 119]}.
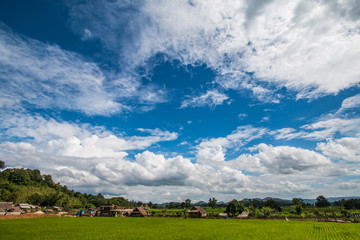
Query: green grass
{"type": "Point", "coordinates": [172, 228]}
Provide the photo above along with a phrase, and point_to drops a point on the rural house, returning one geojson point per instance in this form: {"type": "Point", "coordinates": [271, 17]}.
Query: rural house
{"type": "Point", "coordinates": [244, 215]}
{"type": "Point", "coordinates": [5, 206]}
{"type": "Point", "coordinates": [109, 211]}
{"type": "Point", "coordinates": [139, 212]}
{"type": "Point", "coordinates": [197, 212]}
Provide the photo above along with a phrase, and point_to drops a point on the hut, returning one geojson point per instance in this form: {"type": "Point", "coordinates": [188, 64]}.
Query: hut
{"type": "Point", "coordinates": [25, 207]}
{"type": "Point", "coordinates": [127, 212]}
{"type": "Point", "coordinates": [109, 211]}
{"type": "Point", "coordinates": [139, 212]}
{"type": "Point", "coordinates": [244, 215]}
{"type": "Point", "coordinates": [5, 206]}
{"type": "Point", "coordinates": [197, 212]}
{"type": "Point", "coordinates": [14, 211]}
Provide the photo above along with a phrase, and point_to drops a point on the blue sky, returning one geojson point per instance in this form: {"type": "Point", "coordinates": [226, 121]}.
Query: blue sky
{"type": "Point", "coordinates": [167, 100]}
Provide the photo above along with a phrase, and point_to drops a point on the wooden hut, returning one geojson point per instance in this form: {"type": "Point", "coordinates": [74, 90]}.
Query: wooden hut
{"type": "Point", "coordinates": [197, 212]}
{"type": "Point", "coordinates": [244, 215]}
{"type": "Point", "coordinates": [109, 211]}
{"type": "Point", "coordinates": [5, 206]}
{"type": "Point", "coordinates": [139, 212]}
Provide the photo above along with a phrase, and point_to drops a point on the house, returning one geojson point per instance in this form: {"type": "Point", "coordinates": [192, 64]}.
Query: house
{"type": "Point", "coordinates": [5, 206]}
{"type": "Point", "coordinates": [139, 212]}
{"type": "Point", "coordinates": [24, 206]}
{"type": "Point", "coordinates": [109, 211]}
{"type": "Point", "coordinates": [244, 215]}
{"type": "Point", "coordinates": [197, 212]}
{"type": "Point", "coordinates": [14, 211]}
{"type": "Point", "coordinates": [147, 208]}
{"type": "Point", "coordinates": [127, 212]}
{"type": "Point", "coordinates": [59, 209]}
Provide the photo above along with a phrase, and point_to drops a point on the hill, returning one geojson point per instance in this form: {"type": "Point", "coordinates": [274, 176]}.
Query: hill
{"type": "Point", "coordinates": [26, 185]}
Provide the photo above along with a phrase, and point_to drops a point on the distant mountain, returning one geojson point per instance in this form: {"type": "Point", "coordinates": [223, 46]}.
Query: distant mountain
{"type": "Point", "coordinates": [201, 203]}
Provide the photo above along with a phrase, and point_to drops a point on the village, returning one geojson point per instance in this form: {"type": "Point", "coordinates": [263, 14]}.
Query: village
{"type": "Point", "coordinates": [8, 210]}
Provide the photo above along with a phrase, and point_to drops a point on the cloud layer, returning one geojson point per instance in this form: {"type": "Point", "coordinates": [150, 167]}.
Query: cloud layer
{"type": "Point", "coordinates": [305, 46]}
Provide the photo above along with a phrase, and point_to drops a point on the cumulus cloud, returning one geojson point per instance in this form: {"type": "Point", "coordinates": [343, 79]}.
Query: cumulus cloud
{"type": "Point", "coordinates": [345, 149]}
{"type": "Point", "coordinates": [211, 98]}
{"type": "Point", "coordinates": [305, 46]}
{"type": "Point", "coordinates": [213, 150]}
{"type": "Point", "coordinates": [73, 140]}
{"type": "Point", "coordinates": [280, 160]}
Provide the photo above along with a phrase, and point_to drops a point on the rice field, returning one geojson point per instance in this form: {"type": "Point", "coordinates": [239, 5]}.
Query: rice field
{"type": "Point", "coordinates": [172, 228]}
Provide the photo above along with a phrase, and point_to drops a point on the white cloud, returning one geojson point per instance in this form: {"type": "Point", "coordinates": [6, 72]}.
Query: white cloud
{"type": "Point", "coordinates": [46, 76]}
{"type": "Point", "coordinates": [344, 149]}
{"type": "Point", "coordinates": [310, 47]}
{"type": "Point", "coordinates": [349, 103]}
{"type": "Point", "coordinates": [213, 150]}
{"type": "Point", "coordinates": [281, 160]}
{"type": "Point", "coordinates": [326, 128]}
{"type": "Point", "coordinates": [242, 116]}
{"type": "Point", "coordinates": [285, 133]}
{"type": "Point", "coordinates": [211, 98]}
{"type": "Point", "coordinates": [72, 140]}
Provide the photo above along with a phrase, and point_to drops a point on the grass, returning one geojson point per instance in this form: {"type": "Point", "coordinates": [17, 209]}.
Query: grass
{"type": "Point", "coordinates": [171, 228]}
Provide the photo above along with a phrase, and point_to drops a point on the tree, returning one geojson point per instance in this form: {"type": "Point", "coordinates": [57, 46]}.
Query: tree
{"type": "Point", "coordinates": [271, 203]}
{"type": "Point", "coordinates": [2, 164]}
{"type": "Point", "coordinates": [187, 203]}
{"type": "Point", "coordinates": [234, 207]}
{"type": "Point", "coordinates": [321, 201]}
{"type": "Point", "coordinates": [213, 203]}
{"type": "Point", "coordinates": [297, 201]}
{"type": "Point", "coordinates": [298, 209]}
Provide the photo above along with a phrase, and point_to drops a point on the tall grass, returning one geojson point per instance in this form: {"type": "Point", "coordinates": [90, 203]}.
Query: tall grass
{"type": "Point", "coordinates": [171, 228]}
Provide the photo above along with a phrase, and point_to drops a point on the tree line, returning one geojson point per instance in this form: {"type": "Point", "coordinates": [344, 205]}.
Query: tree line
{"type": "Point", "coordinates": [26, 185]}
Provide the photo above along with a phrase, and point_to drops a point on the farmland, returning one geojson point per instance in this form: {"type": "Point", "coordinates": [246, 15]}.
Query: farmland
{"type": "Point", "coordinates": [172, 228]}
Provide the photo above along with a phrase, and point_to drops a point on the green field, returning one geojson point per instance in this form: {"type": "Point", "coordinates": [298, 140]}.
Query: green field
{"type": "Point", "coordinates": [172, 228]}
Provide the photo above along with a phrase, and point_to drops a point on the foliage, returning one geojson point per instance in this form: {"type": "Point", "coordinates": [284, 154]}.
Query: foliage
{"type": "Point", "coordinates": [172, 228]}
{"type": "Point", "coordinates": [2, 164]}
{"type": "Point", "coordinates": [272, 204]}
{"type": "Point", "coordinates": [321, 201]}
{"type": "Point", "coordinates": [298, 209]}
{"type": "Point", "coordinates": [213, 203]}
{"type": "Point", "coordinates": [25, 185]}
{"type": "Point", "coordinates": [234, 207]}
{"type": "Point", "coordinates": [348, 204]}
{"type": "Point", "coordinates": [297, 201]}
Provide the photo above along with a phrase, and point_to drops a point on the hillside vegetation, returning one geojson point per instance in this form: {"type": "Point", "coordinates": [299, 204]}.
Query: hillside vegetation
{"type": "Point", "coordinates": [26, 185]}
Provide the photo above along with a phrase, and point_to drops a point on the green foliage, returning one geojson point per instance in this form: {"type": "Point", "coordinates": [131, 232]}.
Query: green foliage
{"type": "Point", "coordinates": [2, 164]}
{"type": "Point", "coordinates": [298, 209]}
{"type": "Point", "coordinates": [172, 228]}
{"type": "Point", "coordinates": [297, 201]}
{"type": "Point", "coordinates": [321, 201]}
{"type": "Point", "coordinates": [348, 204]}
{"type": "Point", "coordinates": [187, 203]}
{"type": "Point", "coordinates": [272, 204]}
{"type": "Point", "coordinates": [234, 207]}
{"type": "Point", "coordinates": [25, 185]}
{"type": "Point", "coordinates": [213, 203]}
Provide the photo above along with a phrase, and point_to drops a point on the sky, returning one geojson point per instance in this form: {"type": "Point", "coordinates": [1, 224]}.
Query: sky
{"type": "Point", "coordinates": [167, 100]}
